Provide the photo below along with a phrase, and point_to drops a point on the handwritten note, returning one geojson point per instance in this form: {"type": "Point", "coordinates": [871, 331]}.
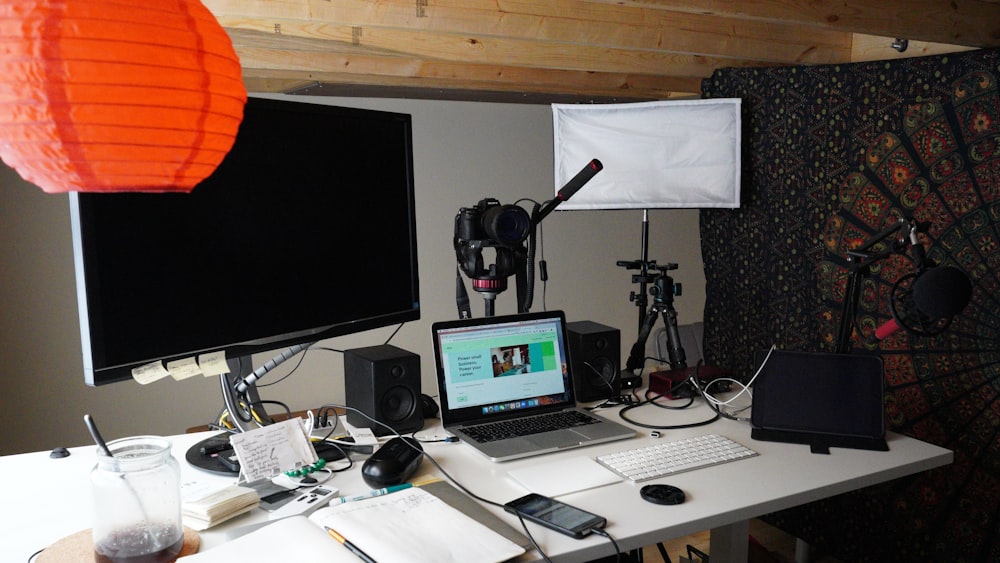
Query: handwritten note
{"type": "Point", "coordinates": [213, 363]}
{"type": "Point", "coordinates": [268, 451]}
{"type": "Point", "coordinates": [150, 372]}
{"type": "Point", "coordinates": [183, 369]}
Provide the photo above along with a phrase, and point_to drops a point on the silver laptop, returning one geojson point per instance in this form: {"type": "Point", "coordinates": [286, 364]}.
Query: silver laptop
{"type": "Point", "coordinates": [503, 381]}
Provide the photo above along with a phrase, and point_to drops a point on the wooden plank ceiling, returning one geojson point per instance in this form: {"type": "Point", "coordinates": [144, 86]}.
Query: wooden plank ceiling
{"type": "Point", "coordinates": [572, 50]}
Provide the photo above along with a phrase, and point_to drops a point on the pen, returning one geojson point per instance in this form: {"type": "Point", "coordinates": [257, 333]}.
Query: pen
{"type": "Point", "coordinates": [372, 494]}
{"type": "Point", "coordinates": [354, 549]}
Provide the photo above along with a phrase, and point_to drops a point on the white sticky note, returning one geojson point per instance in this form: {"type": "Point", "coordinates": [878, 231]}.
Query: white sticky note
{"type": "Point", "coordinates": [213, 363]}
{"type": "Point", "coordinates": [268, 451]}
{"type": "Point", "coordinates": [150, 372]}
{"type": "Point", "coordinates": [183, 369]}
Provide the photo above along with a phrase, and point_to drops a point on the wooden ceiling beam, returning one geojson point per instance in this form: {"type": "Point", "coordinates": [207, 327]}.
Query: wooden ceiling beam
{"type": "Point", "coordinates": [301, 59]}
{"type": "Point", "coordinates": [641, 49]}
{"type": "Point", "coordinates": [648, 30]}
{"type": "Point", "coordinates": [433, 46]}
{"type": "Point", "coordinates": [970, 23]}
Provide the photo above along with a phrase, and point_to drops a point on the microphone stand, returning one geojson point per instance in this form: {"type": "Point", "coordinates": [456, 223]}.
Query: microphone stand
{"type": "Point", "coordinates": [861, 260]}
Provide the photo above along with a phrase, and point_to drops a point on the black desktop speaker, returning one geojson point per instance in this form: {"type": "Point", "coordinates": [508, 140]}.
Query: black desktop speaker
{"type": "Point", "coordinates": [384, 383]}
{"type": "Point", "coordinates": [595, 358]}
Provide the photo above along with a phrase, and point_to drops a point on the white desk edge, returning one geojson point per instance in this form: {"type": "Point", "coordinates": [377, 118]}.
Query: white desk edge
{"type": "Point", "coordinates": [52, 496]}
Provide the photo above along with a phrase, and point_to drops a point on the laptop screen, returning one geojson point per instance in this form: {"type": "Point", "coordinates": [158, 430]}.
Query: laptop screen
{"type": "Point", "coordinates": [501, 366]}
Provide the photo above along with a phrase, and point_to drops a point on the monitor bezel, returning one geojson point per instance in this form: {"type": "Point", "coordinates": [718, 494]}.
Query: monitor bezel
{"type": "Point", "coordinates": [95, 375]}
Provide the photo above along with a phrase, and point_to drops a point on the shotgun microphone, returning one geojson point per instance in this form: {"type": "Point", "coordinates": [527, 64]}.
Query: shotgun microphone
{"type": "Point", "coordinates": [567, 191]}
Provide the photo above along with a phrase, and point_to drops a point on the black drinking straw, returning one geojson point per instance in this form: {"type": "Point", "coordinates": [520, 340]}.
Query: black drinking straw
{"type": "Point", "coordinates": [97, 435]}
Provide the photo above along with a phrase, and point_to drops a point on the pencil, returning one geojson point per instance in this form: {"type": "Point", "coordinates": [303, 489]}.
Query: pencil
{"type": "Point", "coordinates": [354, 549]}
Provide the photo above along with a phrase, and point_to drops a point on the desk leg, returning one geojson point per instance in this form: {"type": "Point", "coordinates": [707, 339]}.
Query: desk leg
{"type": "Point", "coordinates": [801, 551]}
{"type": "Point", "coordinates": [730, 543]}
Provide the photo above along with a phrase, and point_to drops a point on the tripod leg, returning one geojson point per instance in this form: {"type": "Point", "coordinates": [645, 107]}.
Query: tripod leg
{"type": "Point", "coordinates": [675, 351]}
{"type": "Point", "coordinates": [638, 352]}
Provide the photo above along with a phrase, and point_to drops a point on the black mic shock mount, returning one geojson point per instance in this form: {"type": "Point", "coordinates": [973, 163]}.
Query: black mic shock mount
{"type": "Point", "coordinates": [878, 248]}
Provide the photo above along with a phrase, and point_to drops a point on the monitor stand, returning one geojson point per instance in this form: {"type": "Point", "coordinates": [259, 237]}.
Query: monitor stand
{"type": "Point", "coordinates": [205, 454]}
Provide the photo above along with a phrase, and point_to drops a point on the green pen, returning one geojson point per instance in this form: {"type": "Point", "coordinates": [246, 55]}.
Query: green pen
{"type": "Point", "coordinates": [371, 494]}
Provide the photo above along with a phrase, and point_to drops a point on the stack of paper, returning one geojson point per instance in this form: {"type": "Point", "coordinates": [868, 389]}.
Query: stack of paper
{"type": "Point", "coordinates": [205, 506]}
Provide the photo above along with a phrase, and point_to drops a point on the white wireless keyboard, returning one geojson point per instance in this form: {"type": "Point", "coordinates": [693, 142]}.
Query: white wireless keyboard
{"type": "Point", "coordinates": [669, 458]}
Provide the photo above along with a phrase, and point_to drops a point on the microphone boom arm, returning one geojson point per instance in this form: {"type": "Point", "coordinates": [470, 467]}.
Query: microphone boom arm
{"type": "Point", "coordinates": [861, 260]}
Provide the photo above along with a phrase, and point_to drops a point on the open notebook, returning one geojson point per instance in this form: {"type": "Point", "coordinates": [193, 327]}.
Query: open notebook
{"type": "Point", "coordinates": [410, 526]}
{"type": "Point", "coordinates": [513, 371]}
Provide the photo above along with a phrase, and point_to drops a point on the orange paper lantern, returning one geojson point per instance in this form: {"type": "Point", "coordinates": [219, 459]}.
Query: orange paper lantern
{"type": "Point", "coordinates": [106, 95]}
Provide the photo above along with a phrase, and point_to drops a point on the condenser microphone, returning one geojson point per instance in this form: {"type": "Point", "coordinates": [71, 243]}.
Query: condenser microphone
{"type": "Point", "coordinates": [937, 294]}
{"type": "Point", "coordinates": [942, 292]}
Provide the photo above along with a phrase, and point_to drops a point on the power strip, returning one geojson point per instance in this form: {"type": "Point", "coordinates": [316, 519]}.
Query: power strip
{"type": "Point", "coordinates": [322, 431]}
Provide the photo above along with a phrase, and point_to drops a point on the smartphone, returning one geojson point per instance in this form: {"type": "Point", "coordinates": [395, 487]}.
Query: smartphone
{"type": "Point", "coordinates": [557, 515]}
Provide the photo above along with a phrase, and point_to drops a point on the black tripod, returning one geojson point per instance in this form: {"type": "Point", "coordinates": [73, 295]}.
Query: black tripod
{"type": "Point", "coordinates": [663, 290]}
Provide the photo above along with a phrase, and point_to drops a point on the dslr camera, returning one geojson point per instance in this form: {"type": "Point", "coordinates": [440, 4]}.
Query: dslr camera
{"type": "Point", "coordinates": [489, 224]}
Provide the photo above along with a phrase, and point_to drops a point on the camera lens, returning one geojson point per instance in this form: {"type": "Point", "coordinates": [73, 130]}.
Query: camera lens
{"type": "Point", "coordinates": [506, 224]}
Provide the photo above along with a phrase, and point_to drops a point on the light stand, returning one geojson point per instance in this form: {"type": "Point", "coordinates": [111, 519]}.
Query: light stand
{"type": "Point", "coordinates": [643, 265]}
{"type": "Point", "coordinates": [663, 291]}
{"type": "Point", "coordinates": [644, 277]}
{"type": "Point", "coordinates": [675, 154]}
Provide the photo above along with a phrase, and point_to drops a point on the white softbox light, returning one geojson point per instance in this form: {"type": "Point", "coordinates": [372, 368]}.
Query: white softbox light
{"type": "Point", "coordinates": [664, 154]}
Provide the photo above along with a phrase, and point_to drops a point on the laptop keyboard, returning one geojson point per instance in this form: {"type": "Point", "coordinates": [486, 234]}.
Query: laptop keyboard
{"type": "Point", "coordinates": [503, 429]}
{"type": "Point", "coordinates": [668, 458]}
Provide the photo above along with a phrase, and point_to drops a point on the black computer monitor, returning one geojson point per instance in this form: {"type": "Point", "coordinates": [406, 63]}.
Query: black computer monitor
{"type": "Point", "coordinates": [305, 231]}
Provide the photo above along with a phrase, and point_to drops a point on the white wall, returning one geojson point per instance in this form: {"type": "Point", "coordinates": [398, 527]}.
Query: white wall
{"type": "Point", "coordinates": [463, 152]}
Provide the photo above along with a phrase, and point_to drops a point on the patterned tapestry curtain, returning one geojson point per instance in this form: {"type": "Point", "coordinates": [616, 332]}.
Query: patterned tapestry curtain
{"type": "Point", "coordinates": [833, 155]}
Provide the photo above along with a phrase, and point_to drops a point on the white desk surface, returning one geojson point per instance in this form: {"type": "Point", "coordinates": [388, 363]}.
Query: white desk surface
{"type": "Point", "coordinates": [49, 499]}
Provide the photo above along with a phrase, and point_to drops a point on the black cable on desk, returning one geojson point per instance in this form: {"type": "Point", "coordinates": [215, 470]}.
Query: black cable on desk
{"type": "Point", "coordinates": [622, 412]}
{"type": "Point", "coordinates": [603, 533]}
{"type": "Point", "coordinates": [526, 531]}
{"type": "Point", "coordinates": [693, 378]}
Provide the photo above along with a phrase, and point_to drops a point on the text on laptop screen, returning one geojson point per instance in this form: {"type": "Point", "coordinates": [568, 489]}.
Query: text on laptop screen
{"type": "Point", "coordinates": [505, 366]}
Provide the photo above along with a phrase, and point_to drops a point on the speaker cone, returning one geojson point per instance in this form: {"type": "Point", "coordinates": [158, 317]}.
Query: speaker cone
{"type": "Point", "coordinates": [397, 404]}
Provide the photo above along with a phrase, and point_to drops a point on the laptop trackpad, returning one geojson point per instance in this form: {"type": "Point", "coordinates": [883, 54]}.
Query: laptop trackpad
{"type": "Point", "coordinates": [559, 439]}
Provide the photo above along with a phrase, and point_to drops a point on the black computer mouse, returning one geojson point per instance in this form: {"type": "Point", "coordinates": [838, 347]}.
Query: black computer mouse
{"type": "Point", "coordinates": [662, 494]}
{"type": "Point", "coordinates": [393, 463]}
